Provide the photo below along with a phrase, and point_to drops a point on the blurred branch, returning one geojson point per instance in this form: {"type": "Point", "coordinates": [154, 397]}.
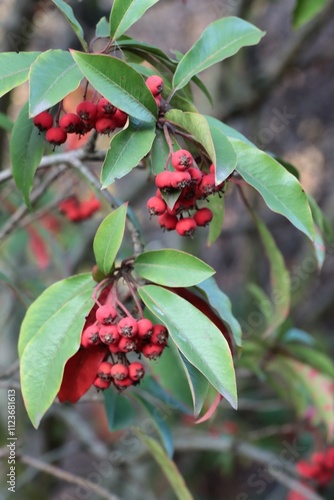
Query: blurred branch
{"type": "Point", "coordinates": [11, 370]}
{"type": "Point", "coordinates": [276, 466]}
{"type": "Point", "coordinates": [281, 63]}
{"type": "Point", "coordinates": [66, 476]}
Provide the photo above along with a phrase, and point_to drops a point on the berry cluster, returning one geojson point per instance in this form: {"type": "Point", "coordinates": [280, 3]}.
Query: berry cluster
{"type": "Point", "coordinates": [76, 210]}
{"type": "Point", "coordinates": [192, 184]}
{"type": "Point", "coordinates": [103, 116]}
{"type": "Point", "coordinates": [121, 333]}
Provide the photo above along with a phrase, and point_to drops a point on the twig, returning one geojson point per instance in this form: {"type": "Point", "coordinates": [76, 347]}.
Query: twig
{"type": "Point", "coordinates": [11, 370]}
{"type": "Point", "coordinates": [66, 476]}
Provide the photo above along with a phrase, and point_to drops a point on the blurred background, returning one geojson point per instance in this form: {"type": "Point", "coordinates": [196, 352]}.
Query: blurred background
{"type": "Point", "coordinates": [279, 95]}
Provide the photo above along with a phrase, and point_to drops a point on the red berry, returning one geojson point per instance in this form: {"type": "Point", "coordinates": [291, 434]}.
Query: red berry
{"type": "Point", "coordinates": [127, 327]}
{"type": "Point", "coordinates": [127, 345]}
{"type": "Point", "coordinates": [158, 100]}
{"type": "Point", "coordinates": [156, 84]}
{"type": "Point", "coordinates": [136, 371]}
{"type": "Point", "coordinates": [159, 335]}
{"type": "Point", "coordinates": [70, 123]}
{"type": "Point", "coordinates": [182, 159]}
{"type": "Point", "coordinates": [186, 227]}
{"type": "Point", "coordinates": [114, 348]}
{"type": "Point", "coordinates": [145, 328]}
{"type": "Point", "coordinates": [196, 175]}
{"type": "Point", "coordinates": [123, 384]}
{"type": "Point", "coordinates": [167, 221]}
{"type": "Point", "coordinates": [43, 121]}
{"type": "Point", "coordinates": [207, 185]}
{"type": "Point", "coordinates": [212, 169]}
{"type": "Point", "coordinates": [90, 336]}
{"type": "Point", "coordinates": [120, 118]}
{"type": "Point", "coordinates": [105, 125]}
{"type": "Point", "coordinates": [163, 180]}
{"type": "Point", "coordinates": [104, 107]}
{"type": "Point", "coordinates": [156, 206]}
{"type": "Point", "coordinates": [104, 370]}
{"type": "Point", "coordinates": [56, 136]}
{"type": "Point", "coordinates": [119, 371]}
{"type": "Point", "coordinates": [101, 384]}
{"type": "Point", "coordinates": [109, 334]}
{"type": "Point", "coordinates": [180, 180]}
{"type": "Point", "coordinates": [106, 314]}
{"type": "Point", "coordinates": [152, 351]}
{"type": "Point", "coordinates": [203, 216]}
{"type": "Point", "coordinates": [87, 110]}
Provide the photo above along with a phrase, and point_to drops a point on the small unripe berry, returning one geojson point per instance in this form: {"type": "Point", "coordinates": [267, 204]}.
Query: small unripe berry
{"type": "Point", "coordinates": [182, 159]}
{"type": "Point", "coordinates": [101, 384]}
{"type": "Point", "coordinates": [70, 123]}
{"type": "Point", "coordinates": [104, 370]}
{"type": "Point", "coordinates": [127, 327]}
{"type": "Point", "coordinates": [104, 107]}
{"type": "Point", "coordinates": [152, 351]}
{"type": "Point", "coordinates": [106, 314]}
{"type": "Point", "coordinates": [43, 121]}
{"type": "Point", "coordinates": [105, 125]}
{"type": "Point", "coordinates": [156, 84]}
{"type": "Point", "coordinates": [120, 118]}
{"type": "Point", "coordinates": [136, 371]}
{"type": "Point", "coordinates": [203, 216]}
{"type": "Point", "coordinates": [180, 180]}
{"type": "Point", "coordinates": [127, 345]}
{"type": "Point", "coordinates": [87, 110]}
{"type": "Point", "coordinates": [90, 336]}
{"type": "Point", "coordinates": [145, 328]}
{"type": "Point", "coordinates": [97, 274]}
{"type": "Point", "coordinates": [167, 221]}
{"type": "Point", "coordinates": [163, 180]}
{"type": "Point", "coordinates": [159, 335]}
{"type": "Point", "coordinates": [109, 334]}
{"type": "Point", "coordinates": [156, 206]}
{"type": "Point", "coordinates": [119, 371]}
{"type": "Point", "coordinates": [56, 136]}
{"type": "Point", "coordinates": [186, 227]}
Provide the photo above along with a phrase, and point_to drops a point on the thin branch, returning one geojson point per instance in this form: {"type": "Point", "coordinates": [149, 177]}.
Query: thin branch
{"type": "Point", "coordinates": [11, 370]}
{"type": "Point", "coordinates": [67, 476]}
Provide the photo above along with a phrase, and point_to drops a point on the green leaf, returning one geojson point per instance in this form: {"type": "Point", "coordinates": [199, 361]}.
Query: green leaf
{"type": "Point", "coordinates": [279, 277]}
{"type": "Point", "coordinates": [168, 467]}
{"type": "Point", "coordinates": [172, 268]}
{"type": "Point", "coordinates": [280, 190]}
{"type": "Point", "coordinates": [298, 335]}
{"type": "Point", "coordinates": [102, 28]}
{"type": "Point", "coordinates": [198, 384]}
{"type": "Point", "coordinates": [159, 152]}
{"type": "Point", "coordinates": [50, 335]}
{"type": "Point", "coordinates": [67, 12]}
{"type": "Point", "coordinates": [108, 239]}
{"type": "Point", "coordinates": [145, 49]}
{"type": "Point", "coordinates": [53, 75]}
{"type": "Point", "coordinates": [221, 304]}
{"type": "Point", "coordinates": [196, 125]}
{"type": "Point", "coordinates": [159, 422]}
{"type": "Point", "coordinates": [226, 158]}
{"type": "Point", "coordinates": [6, 123]}
{"type": "Point", "coordinates": [26, 151]}
{"type": "Point", "coordinates": [119, 410]}
{"type": "Point", "coordinates": [221, 39]}
{"type": "Point", "coordinates": [305, 10]}
{"type": "Point", "coordinates": [199, 340]}
{"type": "Point", "coordinates": [230, 132]}
{"type": "Point", "coordinates": [125, 13]}
{"type": "Point", "coordinates": [119, 83]}
{"type": "Point", "coordinates": [324, 233]}
{"type": "Point", "coordinates": [14, 69]}
{"type": "Point", "coordinates": [217, 204]}
{"type": "Point", "coordinates": [310, 356]}
{"type": "Point", "coordinates": [127, 148]}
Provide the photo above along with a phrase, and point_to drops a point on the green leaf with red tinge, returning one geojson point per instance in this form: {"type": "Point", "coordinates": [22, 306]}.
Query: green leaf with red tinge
{"type": "Point", "coordinates": [50, 335]}
{"type": "Point", "coordinates": [125, 13]}
{"type": "Point", "coordinates": [199, 340]}
{"type": "Point", "coordinates": [67, 12]}
{"type": "Point", "coordinates": [127, 149]}
{"type": "Point", "coordinates": [168, 467]}
{"type": "Point", "coordinates": [221, 39]}
{"type": "Point", "coordinates": [171, 267]}
{"type": "Point", "coordinates": [119, 83]}
{"type": "Point", "coordinates": [14, 69]}
{"type": "Point", "coordinates": [108, 238]}
{"type": "Point", "coordinates": [26, 151]}
{"type": "Point", "coordinates": [52, 76]}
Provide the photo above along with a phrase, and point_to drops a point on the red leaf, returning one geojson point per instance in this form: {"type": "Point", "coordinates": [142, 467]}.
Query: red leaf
{"type": "Point", "coordinates": [80, 373]}
{"type": "Point", "coordinates": [38, 248]}
{"type": "Point", "coordinates": [211, 410]}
